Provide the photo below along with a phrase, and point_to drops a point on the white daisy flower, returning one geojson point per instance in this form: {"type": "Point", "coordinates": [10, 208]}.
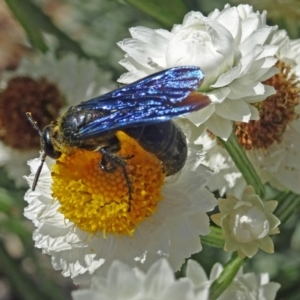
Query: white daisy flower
{"type": "Point", "coordinates": [44, 86]}
{"type": "Point", "coordinates": [226, 177]}
{"type": "Point", "coordinates": [247, 223]}
{"type": "Point", "coordinates": [82, 216]}
{"type": "Point", "coordinates": [231, 46]}
{"type": "Point", "coordinates": [271, 143]}
{"type": "Point", "coordinates": [125, 283]}
{"type": "Point", "coordinates": [247, 286]}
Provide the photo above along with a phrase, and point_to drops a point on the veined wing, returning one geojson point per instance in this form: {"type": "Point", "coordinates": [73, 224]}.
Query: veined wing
{"type": "Point", "coordinates": [155, 98]}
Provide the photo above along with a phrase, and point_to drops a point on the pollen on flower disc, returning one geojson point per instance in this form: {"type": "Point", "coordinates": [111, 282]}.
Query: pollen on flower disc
{"type": "Point", "coordinates": [276, 112]}
{"type": "Point", "coordinates": [24, 94]}
{"type": "Point", "coordinates": [98, 201]}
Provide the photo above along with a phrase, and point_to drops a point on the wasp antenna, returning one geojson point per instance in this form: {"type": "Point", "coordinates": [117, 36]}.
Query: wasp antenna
{"type": "Point", "coordinates": [33, 123]}
{"type": "Point", "coordinates": [38, 172]}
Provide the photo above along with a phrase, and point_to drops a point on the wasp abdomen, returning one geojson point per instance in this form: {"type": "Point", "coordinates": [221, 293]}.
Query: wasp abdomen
{"type": "Point", "coordinates": [165, 140]}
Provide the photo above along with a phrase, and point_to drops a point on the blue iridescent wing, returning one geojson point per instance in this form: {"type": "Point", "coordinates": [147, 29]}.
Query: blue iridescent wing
{"type": "Point", "coordinates": [156, 98]}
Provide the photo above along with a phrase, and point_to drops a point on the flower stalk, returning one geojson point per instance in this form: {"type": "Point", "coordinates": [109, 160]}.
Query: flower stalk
{"type": "Point", "coordinates": [223, 281]}
{"type": "Point", "coordinates": [288, 203]}
{"type": "Point", "coordinates": [215, 238]}
{"type": "Point", "coordinates": [244, 165]}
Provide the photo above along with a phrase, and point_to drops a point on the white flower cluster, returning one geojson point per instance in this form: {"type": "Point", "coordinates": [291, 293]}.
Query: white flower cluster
{"type": "Point", "coordinates": [237, 52]}
{"type": "Point", "coordinates": [231, 46]}
{"type": "Point", "coordinates": [123, 283]}
{"type": "Point", "coordinates": [278, 164]}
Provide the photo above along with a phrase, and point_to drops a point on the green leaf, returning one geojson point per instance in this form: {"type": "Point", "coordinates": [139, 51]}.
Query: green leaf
{"type": "Point", "coordinates": [20, 10]}
{"type": "Point", "coordinates": [34, 22]}
{"type": "Point", "coordinates": [165, 12]}
{"type": "Point", "coordinates": [6, 201]}
{"type": "Point", "coordinates": [223, 281]}
{"type": "Point", "coordinates": [244, 165]}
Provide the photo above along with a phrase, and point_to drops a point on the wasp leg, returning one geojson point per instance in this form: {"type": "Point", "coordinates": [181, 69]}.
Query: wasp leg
{"type": "Point", "coordinates": [110, 161]}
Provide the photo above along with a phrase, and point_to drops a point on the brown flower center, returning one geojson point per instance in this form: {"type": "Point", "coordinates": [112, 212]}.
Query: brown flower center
{"type": "Point", "coordinates": [21, 95]}
{"type": "Point", "coordinates": [276, 112]}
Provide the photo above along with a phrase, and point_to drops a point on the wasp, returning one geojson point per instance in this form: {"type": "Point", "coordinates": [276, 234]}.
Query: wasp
{"type": "Point", "coordinates": [143, 110]}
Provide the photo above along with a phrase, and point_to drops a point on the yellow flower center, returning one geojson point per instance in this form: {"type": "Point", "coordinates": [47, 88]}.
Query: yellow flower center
{"type": "Point", "coordinates": [97, 200]}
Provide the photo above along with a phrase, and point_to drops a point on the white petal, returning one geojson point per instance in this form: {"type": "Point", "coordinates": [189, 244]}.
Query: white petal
{"type": "Point", "coordinates": [248, 59]}
{"type": "Point", "coordinates": [234, 110]}
{"type": "Point", "coordinates": [245, 88]}
{"type": "Point", "coordinates": [122, 276]}
{"type": "Point", "coordinates": [268, 291]}
{"type": "Point", "coordinates": [218, 95]}
{"type": "Point", "coordinates": [215, 271]}
{"type": "Point", "coordinates": [207, 200]}
{"type": "Point", "coordinates": [150, 36]}
{"type": "Point", "coordinates": [142, 54]}
{"type": "Point", "coordinates": [267, 74]}
{"type": "Point", "coordinates": [159, 276]}
{"type": "Point", "coordinates": [260, 67]}
{"type": "Point", "coordinates": [268, 91]}
{"type": "Point", "coordinates": [249, 25]}
{"type": "Point", "coordinates": [254, 112]}
{"type": "Point", "coordinates": [258, 37]}
{"type": "Point", "coordinates": [132, 65]}
{"type": "Point", "coordinates": [234, 26]}
{"type": "Point", "coordinates": [210, 39]}
{"type": "Point", "coordinates": [132, 76]}
{"type": "Point", "coordinates": [182, 290]}
{"type": "Point", "coordinates": [199, 117]}
{"type": "Point", "coordinates": [147, 35]}
{"type": "Point", "coordinates": [226, 78]}
{"type": "Point", "coordinates": [219, 126]}
{"type": "Point", "coordinates": [195, 272]}
{"type": "Point", "coordinates": [268, 51]}
{"type": "Point", "coordinates": [289, 177]}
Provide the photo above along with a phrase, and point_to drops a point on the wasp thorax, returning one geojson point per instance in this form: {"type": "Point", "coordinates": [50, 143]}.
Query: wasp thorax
{"type": "Point", "coordinates": [21, 95]}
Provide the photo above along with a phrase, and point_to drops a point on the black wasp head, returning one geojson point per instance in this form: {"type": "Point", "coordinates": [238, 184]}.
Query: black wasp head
{"type": "Point", "coordinates": [47, 142]}
{"type": "Point", "coordinates": [46, 145]}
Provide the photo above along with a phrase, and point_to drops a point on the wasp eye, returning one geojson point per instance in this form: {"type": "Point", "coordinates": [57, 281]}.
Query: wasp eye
{"type": "Point", "coordinates": [47, 143]}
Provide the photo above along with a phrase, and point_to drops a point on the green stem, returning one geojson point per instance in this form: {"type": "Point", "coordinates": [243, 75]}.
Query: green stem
{"type": "Point", "coordinates": [34, 34]}
{"type": "Point", "coordinates": [244, 165]}
{"type": "Point", "coordinates": [288, 203]}
{"type": "Point", "coordinates": [46, 288]}
{"type": "Point", "coordinates": [223, 281]}
{"type": "Point", "coordinates": [280, 197]}
{"type": "Point", "coordinates": [19, 280]}
{"type": "Point", "coordinates": [215, 238]}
